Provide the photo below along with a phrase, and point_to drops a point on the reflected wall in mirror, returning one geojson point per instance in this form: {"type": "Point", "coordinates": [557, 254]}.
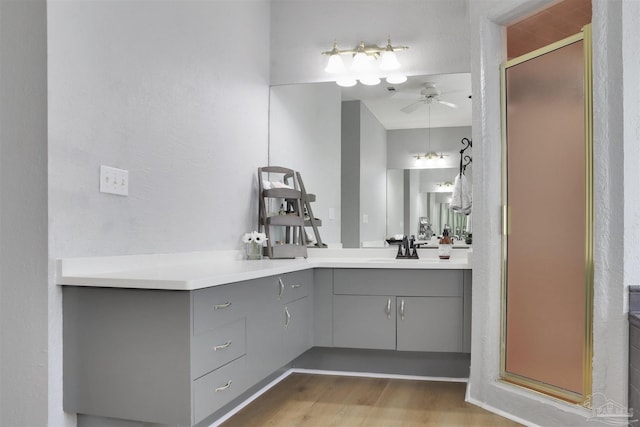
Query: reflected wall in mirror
{"type": "Point", "coordinates": [418, 203]}
{"type": "Point", "coordinates": [345, 140]}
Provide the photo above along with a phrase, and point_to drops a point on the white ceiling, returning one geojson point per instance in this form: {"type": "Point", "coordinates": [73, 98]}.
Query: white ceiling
{"type": "Point", "coordinates": [386, 106]}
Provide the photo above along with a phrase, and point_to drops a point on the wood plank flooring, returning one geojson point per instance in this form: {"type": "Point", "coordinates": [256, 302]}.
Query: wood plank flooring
{"type": "Point", "coordinates": [327, 400]}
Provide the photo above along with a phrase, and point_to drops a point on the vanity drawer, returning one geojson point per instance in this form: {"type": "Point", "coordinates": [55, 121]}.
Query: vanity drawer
{"type": "Point", "coordinates": [218, 388]}
{"type": "Point", "coordinates": [218, 305]}
{"type": "Point", "coordinates": [438, 283]}
{"type": "Point", "coordinates": [293, 286]}
{"type": "Point", "coordinates": [213, 349]}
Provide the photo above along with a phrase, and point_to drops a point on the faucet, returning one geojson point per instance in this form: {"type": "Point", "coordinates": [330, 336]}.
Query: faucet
{"type": "Point", "coordinates": [407, 249]}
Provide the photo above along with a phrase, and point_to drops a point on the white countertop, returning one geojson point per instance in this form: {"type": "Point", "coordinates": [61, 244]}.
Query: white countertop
{"type": "Point", "coordinates": [196, 270]}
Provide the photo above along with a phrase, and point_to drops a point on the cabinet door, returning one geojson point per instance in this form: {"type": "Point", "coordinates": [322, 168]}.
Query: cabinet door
{"type": "Point", "coordinates": [362, 321]}
{"type": "Point", "coordinates": [430, 324]}
{"type": "Point", "coordinates": [264, 329]}
{"type": "Point", "coordinates": [298, 328]}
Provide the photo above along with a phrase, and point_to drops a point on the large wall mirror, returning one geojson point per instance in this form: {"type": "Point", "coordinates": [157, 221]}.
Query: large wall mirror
{"type": "Point", "coordinates": [356, 150]}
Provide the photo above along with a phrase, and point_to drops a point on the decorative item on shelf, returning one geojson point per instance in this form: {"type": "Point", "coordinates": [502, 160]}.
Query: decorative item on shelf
{"type": "Point", "coordinates": [362, 68]}
{"type": "Point", "coordinates": [445, 245]}
{"type": "Point", "coordinates": [254, 242]}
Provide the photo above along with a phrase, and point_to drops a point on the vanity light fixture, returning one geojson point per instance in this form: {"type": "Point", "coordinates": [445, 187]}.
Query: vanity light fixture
{"type": "Point", "coordinates": [362, 67]}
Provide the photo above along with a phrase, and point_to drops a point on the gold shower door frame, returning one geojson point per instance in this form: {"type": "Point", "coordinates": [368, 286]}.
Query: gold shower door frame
{"type": "Point", "coordinates": [532, 365]}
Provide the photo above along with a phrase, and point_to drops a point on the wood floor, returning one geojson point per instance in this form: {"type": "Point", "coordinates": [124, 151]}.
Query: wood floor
{"type": "Point", "coordinates": [326, 400]}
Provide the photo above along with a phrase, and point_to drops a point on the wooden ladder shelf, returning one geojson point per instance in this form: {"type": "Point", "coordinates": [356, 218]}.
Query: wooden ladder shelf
{"type": "Point", "coordinates": [283, 212]}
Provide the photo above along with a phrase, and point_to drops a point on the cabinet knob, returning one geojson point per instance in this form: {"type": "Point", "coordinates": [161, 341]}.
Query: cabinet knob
{"type": "Point", "coordinates": [387, 309]}
{"type": "Point", "coordinates": [402, 309]}
{"type": "Point", "coordinates": [296, 286]}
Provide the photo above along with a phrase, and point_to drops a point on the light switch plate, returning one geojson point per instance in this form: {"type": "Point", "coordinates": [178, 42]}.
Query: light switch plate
{"type": "Point", "coordinates": [114, 181]}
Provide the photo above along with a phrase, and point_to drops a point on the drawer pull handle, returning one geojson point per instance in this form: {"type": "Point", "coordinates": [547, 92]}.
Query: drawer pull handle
{"type": "Point", "coordinates": [387, 309]}
{"type": "Point", "coordinates": [221, 306]}
{"type": "Point", "coordinates": [402, 310]}
{"type": "Point", "coordinates": [222, 346]}
{"type": "Point", "coordinates": [287, 319]}
{"type": "Point", "coordinates": [224, 387]}
{"type": "Point", "coordinates": [281, 292]}
{"type": "Point", "coordinates": [296, 286]}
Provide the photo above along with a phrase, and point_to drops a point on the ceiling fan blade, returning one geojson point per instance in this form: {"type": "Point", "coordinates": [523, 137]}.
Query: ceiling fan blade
{"type": "Point", "coordinates": [448, 104]}
{"type": "Point", "coordinates": [411, 107]}
{"type": "Point", "coordinates": [405, 95]}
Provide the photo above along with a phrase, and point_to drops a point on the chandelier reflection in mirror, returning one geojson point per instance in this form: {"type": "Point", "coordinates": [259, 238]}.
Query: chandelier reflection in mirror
{"type": "Point", "coordinates": [423, 159]}
{"type": "Point", "coordinates": [363, 65]}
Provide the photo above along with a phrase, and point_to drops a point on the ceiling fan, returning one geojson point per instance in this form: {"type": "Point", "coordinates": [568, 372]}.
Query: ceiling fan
{"type": "Point", "coordinates": [428, 95]}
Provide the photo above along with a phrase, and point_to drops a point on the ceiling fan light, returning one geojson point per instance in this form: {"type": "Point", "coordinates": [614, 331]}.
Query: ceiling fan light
{"type": "Point", "coordinates": [369, 80]}
{"type": "Point", "coordinates": [335, 65]}
{"type": "Point", "coordinates": [346, 82]}
{"type": "Point", "coordinates": [389, 61]}
{"type": "Point", "coordinates": [396, 79]}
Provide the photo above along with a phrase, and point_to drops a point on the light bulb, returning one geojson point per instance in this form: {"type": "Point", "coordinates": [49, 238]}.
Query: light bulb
{"type": "Point", "coordinates": [346, 82]}
{"type": "Point", "coordinates": [396, 79]}
{"type": "Point", "coordinates": [360, 63]}
{"type": "Point", "coordinates": [389, 60]}
{"type": "Point", "coordinates": [369, 80]}
{"type": "Point", "coordinates": [335, 65]}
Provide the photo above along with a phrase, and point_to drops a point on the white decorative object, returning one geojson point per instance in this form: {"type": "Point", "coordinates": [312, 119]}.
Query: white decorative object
{"type": "Point", "coordinates": [253, 243]}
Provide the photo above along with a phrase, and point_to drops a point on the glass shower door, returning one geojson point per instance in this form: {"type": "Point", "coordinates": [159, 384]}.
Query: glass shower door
{"type": "Point", "coordinates": [547, 274]}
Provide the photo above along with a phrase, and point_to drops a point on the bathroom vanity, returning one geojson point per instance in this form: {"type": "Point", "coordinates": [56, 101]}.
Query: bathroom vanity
{"type": "Point", "coordinates": [179, 339]}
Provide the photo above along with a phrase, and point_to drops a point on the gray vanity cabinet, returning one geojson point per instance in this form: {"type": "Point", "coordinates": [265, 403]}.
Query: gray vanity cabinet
{"type": "Point", "coordinates": [274, 337]}
{"type": "Point", "coordinates": [407, 310]}
{"type": "Point", "coordinates": [176, 357]}
{"type": "Point", "coordinates": [296, 296]}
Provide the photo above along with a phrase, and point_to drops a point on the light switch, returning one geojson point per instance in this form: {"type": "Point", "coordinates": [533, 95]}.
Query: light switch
{"type": "Point", "coordinates": [114, 181]}
{"type": "Point", "coordinates": [332, 214]}
{"type": "Point", "coordinates": [365, 219]}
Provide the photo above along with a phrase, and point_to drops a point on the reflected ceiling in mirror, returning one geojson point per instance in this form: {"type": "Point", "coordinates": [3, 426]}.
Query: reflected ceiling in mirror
{"type": "Point", "coordinates": [406, 105]}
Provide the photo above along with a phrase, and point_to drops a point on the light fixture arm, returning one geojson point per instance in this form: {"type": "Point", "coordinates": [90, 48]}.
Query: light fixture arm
{"type": "Point", "coordinates": [371, 50]}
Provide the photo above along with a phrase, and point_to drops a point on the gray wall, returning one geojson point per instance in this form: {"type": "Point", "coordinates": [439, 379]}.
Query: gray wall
{"type": "Point", "coordinates": [373, 177]}
{"type": "Point", "coordinates": [177, 93]}
{"type": "Point", "coordinates": [364, 176]}
{"type": "Point", "coordinates": [304, 134]}
{"type": "Point", "coordinates": [23, 213]}
{"type": "Point", "coordinates": [395, 202]}
{"type": "Point", "coordinates": [350, 174]}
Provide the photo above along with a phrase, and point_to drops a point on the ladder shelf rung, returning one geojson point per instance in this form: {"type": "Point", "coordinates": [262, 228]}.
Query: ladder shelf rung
{"type": "Point", "coordinates": [287, 220]}
{"type": "Point", "coordinates": [282, 193]}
